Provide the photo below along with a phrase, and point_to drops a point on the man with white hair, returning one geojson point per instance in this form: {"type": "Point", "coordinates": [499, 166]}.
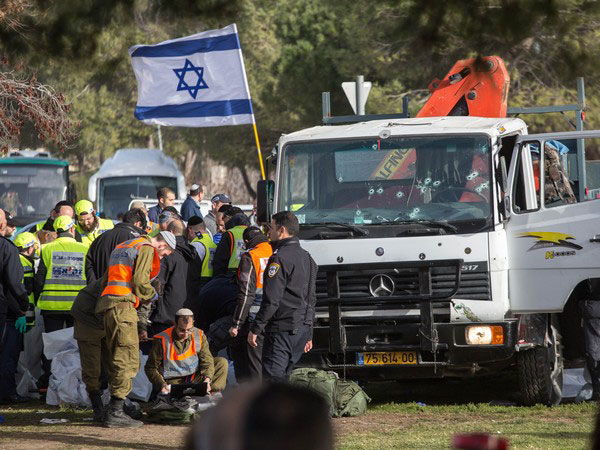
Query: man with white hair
{"type": "Point", "coordinates": [181, 355]}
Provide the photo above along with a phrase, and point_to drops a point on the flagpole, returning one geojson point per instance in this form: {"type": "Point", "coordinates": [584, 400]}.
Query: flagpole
{"type": "Point", "coordinates": [262, 166]}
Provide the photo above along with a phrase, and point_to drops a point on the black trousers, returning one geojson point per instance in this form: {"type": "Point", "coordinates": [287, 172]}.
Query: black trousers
{"type": "Point", "coordinates": [281, 352]}
{"type": "Point", "coordinates": [10, 343]}
{"type": "Point", "coordinates": [590, 310]}
{"type": "Point", "coordinates": [247, 360]}
{"type": "Point", "coordinates": [53, 321]}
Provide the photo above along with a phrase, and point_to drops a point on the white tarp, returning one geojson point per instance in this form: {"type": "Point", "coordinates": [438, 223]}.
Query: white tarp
{"type": "Point", "coordinates": [577, 384]}
{"type": "Point", "coordinates": [66, 385]}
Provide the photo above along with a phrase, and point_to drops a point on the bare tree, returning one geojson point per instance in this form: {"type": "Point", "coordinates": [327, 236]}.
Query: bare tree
{"type": "Point", "coordinates": [23, 100]}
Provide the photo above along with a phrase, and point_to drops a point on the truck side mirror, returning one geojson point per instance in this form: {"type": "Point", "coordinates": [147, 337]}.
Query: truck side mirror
{"type": "Point", "coordinates": [265, 192]}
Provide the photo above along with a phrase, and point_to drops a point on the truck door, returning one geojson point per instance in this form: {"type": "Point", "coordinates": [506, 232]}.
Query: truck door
{"type": "Point", "coordinates": [554, 193]}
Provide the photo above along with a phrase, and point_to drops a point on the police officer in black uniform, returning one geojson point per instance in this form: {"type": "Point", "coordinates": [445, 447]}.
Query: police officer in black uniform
{"type": "Point", "coordinates": [287, 311]}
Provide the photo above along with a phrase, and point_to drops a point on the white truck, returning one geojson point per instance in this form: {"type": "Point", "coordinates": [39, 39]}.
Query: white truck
{"type": "Point", "coordinates": [133, 173]}
{"type": "Point", "coordinates": [446, 245]}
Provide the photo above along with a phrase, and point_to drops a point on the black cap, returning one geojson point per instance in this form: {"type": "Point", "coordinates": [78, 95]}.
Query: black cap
{"type": "Point", "coordinates": [220, 198]}
{"type": "Point", "coordinates": [10, 219]}
{"type": "Point", "coordinates": [195, 220]}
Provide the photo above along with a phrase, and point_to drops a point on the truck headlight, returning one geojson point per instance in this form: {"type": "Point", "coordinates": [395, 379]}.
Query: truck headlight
{"type": "Point", "coordinates": [484, 335]}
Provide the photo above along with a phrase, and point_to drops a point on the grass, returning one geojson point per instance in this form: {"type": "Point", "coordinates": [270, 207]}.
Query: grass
{"type": "Point", "coordinates": [394, 421]}
{"type": "Point", "coordinates": [411, 426]}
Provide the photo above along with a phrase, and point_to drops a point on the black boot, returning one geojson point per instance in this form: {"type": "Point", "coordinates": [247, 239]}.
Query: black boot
{"type": "Point", "coordinates": [594, 370]}
{"type": "Point", "coordinates": [97, 406]}
{"type": "Point", "coordinates": [116, 418]}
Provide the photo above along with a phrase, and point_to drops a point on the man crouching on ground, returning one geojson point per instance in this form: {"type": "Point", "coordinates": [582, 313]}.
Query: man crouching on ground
{"type": "Point", "coordinates": [181, 354]}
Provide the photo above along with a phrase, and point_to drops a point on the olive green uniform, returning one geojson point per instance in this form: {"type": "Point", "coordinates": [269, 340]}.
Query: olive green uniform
{"type": "Point", "coordinates": [208, 367]}
{"type": "Point", "coordinates": [120, 325]}
{"type": "Point", "coordinates": [90, 336]}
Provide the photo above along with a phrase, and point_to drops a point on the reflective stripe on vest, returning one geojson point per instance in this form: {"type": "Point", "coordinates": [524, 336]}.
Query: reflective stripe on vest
{"type": "Point", "coordinates": [120, 267]}
{"type": "Point", "coordinates": [64, 259]}
{"type": "Point", "coordinates": [237, 246]}
{"type": "Point", "coordinates": [179, 365]}
{"type": "Point", "coordinates": [260, 258]}
{"type": "Point", "coordinates": [209, 253]}
{"type": "Point", "coordinates": [28, 272]}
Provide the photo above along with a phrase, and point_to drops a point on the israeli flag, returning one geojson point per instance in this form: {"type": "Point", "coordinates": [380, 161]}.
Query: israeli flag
{"type": "Point", "coordinates": [195, 81]}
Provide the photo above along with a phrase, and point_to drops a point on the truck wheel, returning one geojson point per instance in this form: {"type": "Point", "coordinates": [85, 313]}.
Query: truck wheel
{"type": "Point", "coordinates": [540, 372]}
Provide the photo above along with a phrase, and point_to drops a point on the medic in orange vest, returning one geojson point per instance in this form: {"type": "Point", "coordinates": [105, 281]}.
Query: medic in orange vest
{"type": "Point", "coordinates": [250, 288]}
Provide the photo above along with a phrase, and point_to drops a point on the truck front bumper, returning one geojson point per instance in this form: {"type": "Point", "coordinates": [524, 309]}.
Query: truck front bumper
{"type": "Point", "coordinates": [453, 356]}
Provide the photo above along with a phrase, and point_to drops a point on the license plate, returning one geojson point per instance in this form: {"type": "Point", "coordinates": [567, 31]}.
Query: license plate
{"type": "Point", "coordinates": [386, 358]}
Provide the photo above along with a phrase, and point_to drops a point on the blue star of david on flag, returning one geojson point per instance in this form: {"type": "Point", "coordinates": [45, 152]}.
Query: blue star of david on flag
{"type": "Point", "coordinates": [193, 81]}
{"type": "Point", "coordinates": [183, 85]}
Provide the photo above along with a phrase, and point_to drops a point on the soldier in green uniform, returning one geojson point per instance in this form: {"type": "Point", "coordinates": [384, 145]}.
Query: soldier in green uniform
{"type": "Point", "coordinates": [91, 340]}
{"type": "Point", "coordinates": [132, 267]}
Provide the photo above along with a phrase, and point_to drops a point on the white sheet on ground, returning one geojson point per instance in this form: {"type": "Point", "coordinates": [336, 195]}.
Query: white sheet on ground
{"type": "Point", "coordinates": [66, 385]}
{"type": "Point", "coordinates": [574, 382]}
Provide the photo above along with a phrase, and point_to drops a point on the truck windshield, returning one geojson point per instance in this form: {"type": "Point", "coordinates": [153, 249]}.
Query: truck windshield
{"type": "Point", "coordinates": [31, 190]}
{"type": "Point", "coordinates": [386, 181]}
{"type": "Point", "coordinates": [116, 192]}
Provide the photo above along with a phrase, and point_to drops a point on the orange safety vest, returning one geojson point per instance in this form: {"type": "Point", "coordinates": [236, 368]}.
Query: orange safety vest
{"type": "Point", "coordinates": [120, 268]}
{"type": "Point", "coordinates": [260, 258]}
{"type": "Point", "coordinates": [179, 365]}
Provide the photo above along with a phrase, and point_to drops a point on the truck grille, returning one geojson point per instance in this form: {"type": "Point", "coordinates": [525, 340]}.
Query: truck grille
{"type": "Point", "coordinates": [474, 281]}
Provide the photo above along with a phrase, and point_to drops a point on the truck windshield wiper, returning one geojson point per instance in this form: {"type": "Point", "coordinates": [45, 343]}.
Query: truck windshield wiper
{"type": "Point", "coordinates": [357, 230]}
{"type": "Point", "coordinates": [433, 223]}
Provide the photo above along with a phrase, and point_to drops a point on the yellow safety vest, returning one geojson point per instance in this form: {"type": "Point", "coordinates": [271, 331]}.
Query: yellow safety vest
{"type": "Point", "coordinates": [64, 259]}
{"type": "Point", "coordinates": [210, 247]}
{"type": "Point", "coordinates": [39, 226]}
{"type": "Point", "coordinates": [152, 229]}
{"type": "Point", "coordinates": [237, 246]}
{"type": "Point", "coordinates": [88, 238]}
{"type": "Point", "coordinates": [28, 272]}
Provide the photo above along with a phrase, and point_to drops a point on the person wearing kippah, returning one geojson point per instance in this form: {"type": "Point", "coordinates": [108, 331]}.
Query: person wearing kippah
{"type": "Point", "coordinates": [181, 355]}
{"type": "Point", "coordinates": [191, 206]}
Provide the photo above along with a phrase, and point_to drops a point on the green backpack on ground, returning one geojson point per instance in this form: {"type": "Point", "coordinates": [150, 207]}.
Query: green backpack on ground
{"type": "Point", "coordinates": [170, 416]}
{"type": "Point", "coordinates": [345, 398]}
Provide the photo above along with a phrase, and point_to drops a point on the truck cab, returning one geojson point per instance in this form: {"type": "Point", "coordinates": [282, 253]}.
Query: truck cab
{"type": "Point", "coordinates": [447, 246]}
{"type": "Point", "coordinates": [31, 183]}
{"type": "Point", "coordinates": [133, 174]}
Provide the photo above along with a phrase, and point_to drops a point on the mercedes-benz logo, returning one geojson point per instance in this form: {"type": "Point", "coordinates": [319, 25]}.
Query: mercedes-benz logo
{"type": "Point", "coordinates": [381, 286]}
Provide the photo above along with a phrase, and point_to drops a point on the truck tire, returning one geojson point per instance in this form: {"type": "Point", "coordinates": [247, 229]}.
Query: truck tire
{"type": "Point", "coordinates": [540, 372]}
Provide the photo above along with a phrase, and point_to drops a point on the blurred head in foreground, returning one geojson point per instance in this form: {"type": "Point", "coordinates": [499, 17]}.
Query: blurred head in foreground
{"type": "Point", "coordinates": [265, 417]}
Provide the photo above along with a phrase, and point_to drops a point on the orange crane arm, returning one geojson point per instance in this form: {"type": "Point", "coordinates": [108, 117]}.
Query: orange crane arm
{"type": "Point", "coordinates": [472, 87]}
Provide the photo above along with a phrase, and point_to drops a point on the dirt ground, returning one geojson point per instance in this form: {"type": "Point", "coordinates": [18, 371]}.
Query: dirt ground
{"type": "Point", "coordinates": [422, 414]}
